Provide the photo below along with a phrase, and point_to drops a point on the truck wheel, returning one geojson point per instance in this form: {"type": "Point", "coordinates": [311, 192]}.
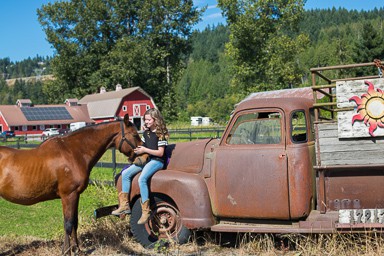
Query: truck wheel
{"type": "Point", "coordinates": [163, 224]}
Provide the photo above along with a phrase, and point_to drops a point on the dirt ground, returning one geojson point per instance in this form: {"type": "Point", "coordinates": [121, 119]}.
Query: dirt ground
{"type": "Point", "coordinates": [110, 236]}
{"type": "Point", "coordinates": [99, 244]}
{"type": "Point", "coordinates": [115, 238]}
{"type": "Point", "coordinates": [48, 248]}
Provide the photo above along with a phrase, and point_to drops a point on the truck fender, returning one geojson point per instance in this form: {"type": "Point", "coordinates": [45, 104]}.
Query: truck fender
{"type": "Point", "coordinates": [187, 190]}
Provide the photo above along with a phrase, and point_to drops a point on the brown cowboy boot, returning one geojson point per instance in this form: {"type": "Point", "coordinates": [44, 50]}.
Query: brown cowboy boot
{"type": "Point", "coordinates": [123, 205]}
{"type": "Point", "coordinates": [145, 212]}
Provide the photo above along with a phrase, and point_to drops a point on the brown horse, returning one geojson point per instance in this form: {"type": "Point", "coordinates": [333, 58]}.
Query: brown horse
{"type": "Point", "coordinates": [60, 168]}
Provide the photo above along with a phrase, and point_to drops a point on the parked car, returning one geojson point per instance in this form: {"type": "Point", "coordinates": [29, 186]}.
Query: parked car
{"type": "Point", "coordinates": [7, 134]}
{"type": "Point", "coordinates": [63, 131]}
{"type": "Point", "coordinates": [50, 132]}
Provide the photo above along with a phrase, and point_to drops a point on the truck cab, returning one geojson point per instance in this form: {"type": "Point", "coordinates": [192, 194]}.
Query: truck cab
{"type": "Point", "coordinates": [262, 168]}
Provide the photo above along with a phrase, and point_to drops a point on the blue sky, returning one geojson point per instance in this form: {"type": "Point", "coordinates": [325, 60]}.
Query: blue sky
{"type": "Point", "coordinates": [23, 37]}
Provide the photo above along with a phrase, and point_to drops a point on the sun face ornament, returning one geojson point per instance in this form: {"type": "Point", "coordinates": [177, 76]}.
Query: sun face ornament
{"type": "Point", "coordinates": [370, 108]}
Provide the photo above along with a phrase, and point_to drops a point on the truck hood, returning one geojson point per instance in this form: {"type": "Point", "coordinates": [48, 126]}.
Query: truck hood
{"type": "Point", "coordinates": [188, 156]}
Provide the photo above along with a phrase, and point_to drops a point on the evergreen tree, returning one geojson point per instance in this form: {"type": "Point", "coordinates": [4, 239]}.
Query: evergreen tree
{"type": "Point", "coordinates": [369, 45]}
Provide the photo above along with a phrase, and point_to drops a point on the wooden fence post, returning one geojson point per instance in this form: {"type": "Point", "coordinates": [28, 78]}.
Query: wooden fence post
{"type": "Point", "coordinates": [114, 159]}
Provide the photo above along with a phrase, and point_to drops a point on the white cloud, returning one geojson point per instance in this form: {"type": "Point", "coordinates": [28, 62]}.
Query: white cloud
{"type": "Point", "coordinates": [213, 16]}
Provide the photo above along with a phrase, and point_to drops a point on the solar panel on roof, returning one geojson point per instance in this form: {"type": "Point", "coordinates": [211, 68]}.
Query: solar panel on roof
{"type": "Point", "coordinates": [46, 113]}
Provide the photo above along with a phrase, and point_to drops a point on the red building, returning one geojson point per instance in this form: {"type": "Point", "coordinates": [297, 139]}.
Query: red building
{"type": "Point", "coordinates": [26, 118]}
{"type": "Point", "coordinates": [106, 106]}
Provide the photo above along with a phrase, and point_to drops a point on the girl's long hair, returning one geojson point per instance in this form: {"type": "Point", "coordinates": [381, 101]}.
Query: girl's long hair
{"type": "Point", "coordinates": [161, 128]}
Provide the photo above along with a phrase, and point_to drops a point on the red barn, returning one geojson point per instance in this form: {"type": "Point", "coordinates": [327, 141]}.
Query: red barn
{"type": "Point", "coordinates": [106, 106]}
{"type": "Point", "coordinates": [26, 118]}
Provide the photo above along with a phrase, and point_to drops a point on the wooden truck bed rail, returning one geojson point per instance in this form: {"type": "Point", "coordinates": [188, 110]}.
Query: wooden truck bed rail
{"type": "Point", "coordinates": [325, 95]}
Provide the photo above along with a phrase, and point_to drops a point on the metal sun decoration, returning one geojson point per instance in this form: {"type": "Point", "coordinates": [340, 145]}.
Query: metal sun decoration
{"type": "Point", "coordinates": [370, 108]}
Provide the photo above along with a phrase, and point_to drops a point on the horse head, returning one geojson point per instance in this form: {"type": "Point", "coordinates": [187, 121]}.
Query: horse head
{"type": "Point", "coordinates": [128, 139]}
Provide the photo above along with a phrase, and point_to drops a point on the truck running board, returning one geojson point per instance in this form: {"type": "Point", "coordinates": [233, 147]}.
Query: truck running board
{"type": "Point", "coordinates": [297, 227]}
{"type": "Point", "coordinates": [315, 223]}
{"type": "Point", "coordinates": [104, 211]}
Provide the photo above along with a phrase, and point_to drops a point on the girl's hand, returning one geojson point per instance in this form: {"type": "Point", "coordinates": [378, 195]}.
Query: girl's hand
{"type": "Point", "coordinates": [145, 128]}
{"type": "Point", "coordinates": [140, 150]}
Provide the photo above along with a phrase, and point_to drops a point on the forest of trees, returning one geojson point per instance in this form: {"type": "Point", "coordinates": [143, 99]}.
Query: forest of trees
{"type": "Point", "coordinates": [193, 73]}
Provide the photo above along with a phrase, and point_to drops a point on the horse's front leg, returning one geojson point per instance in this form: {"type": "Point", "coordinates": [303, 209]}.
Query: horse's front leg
{"type": "Point", "coordinates": [70, 205]}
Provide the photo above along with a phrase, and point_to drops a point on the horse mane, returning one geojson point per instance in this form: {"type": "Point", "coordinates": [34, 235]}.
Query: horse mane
{"type": "Point", "coordinates": [86, 127]}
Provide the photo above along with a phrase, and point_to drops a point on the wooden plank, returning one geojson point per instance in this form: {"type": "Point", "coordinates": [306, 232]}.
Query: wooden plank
{"type": "Point", "coordinates": [373, 156]}
{"type": "Point", "coordinates": [328, 133]}
{"type": "Point", "coordinates": [324, 141]}
{"type": "Point", "coordinates": [348, 151]}
{"type": "Point", "coordinates": [347, 162]}
{"type": "Point", "coordinates": [351, 147]}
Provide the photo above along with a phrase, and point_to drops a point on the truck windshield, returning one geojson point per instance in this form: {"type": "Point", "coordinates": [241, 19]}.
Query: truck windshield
{"type": "Point", "coordinates": [256, 128]}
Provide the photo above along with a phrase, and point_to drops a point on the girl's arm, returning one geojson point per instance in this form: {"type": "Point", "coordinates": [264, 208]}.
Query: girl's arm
{"type": "Point", "coordinates": [153, 152]}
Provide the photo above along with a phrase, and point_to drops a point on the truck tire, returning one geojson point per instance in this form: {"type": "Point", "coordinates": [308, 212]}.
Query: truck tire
{"type": "Point", "coordinates": [164, 223]}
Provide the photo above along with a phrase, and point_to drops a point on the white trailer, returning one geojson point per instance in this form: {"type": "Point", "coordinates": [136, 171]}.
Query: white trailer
{"type": "Point", "coordinates": [77, 125]}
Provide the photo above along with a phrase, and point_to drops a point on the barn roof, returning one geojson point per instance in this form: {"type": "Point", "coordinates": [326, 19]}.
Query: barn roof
{"type": "Point", "coordinates": [105, 105]}
{"type": "Point", "coordinates": [44, 114]}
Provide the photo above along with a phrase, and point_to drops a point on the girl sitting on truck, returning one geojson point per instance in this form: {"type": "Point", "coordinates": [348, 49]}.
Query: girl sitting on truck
{"type": "Point", "coordinates": [155, 140]}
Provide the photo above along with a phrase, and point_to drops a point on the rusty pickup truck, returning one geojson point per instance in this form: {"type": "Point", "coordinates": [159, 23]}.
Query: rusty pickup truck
{"type": "Point", "coordinates": [305, 160]}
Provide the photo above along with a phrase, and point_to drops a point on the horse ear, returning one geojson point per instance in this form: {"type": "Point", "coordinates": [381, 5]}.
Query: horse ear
{"type": "Point", "coordinates": [126, 119]}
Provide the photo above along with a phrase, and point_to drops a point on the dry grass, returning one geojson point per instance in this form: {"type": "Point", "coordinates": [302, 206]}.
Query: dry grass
{"type": "Point", "coordinates": [112, 236]}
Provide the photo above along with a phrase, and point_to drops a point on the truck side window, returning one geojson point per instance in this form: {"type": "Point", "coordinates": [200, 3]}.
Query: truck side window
{"type": "Point", "coordinates": [298, 127]}
{"type": "Point", "coordinates": [256, 128]}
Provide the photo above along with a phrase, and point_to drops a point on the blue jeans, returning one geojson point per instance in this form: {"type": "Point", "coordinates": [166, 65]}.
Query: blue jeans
{"type": "Point", "coordinates": [147, 171]}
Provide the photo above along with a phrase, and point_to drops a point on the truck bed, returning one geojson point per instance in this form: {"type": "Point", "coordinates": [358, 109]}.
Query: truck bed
{"type": "Point", "coordinates": [349, 172]}
{"type": "Point", "coordinates": [332, 150]}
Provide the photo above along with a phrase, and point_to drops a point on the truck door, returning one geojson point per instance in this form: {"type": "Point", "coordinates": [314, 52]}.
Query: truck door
{"type": "Point", "coordinates": [251, 167]}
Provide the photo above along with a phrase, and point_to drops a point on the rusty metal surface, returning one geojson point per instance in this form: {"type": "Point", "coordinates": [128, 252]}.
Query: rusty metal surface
{"type": "Point", "coordinates": [301, 182]}
{"type": "Point", "coordinates": [347, 66]}
{"type": "Point", "coordinates": [264, 181]}
{"type": "Point", "coordinates": [187, 156]}
{"type": "Point", "coordinates": [187, 191]}
{"type": "Point", "coordinates": [181, 183]}
{"type": "Point", "coordinates": [315, 223]}
{"type": "Point", "coordinates": [251, 182]}
{"type": "Point", "coordinates": [288, 104]}
{"type": "Point", "coordinates": [352, 189]}
{"type": "Point", "coordinates": [104, 211]}
{"type": "Point", "coordinates": [360, 226]}
{"type": "Point", "coordinates": [305, 92]}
